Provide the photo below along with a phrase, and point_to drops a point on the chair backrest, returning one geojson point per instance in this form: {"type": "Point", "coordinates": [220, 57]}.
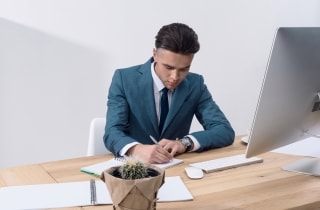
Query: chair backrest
{"type": "Point", "coordinates": [96, 145]}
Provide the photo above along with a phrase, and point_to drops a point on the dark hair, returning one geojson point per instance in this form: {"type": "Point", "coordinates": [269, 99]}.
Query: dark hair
{"type": "Point", "coordinates": [177, 38]}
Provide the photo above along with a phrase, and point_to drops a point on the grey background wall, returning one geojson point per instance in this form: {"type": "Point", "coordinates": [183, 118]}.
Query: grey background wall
{"type": "Point", "coordinates": [57, 58]}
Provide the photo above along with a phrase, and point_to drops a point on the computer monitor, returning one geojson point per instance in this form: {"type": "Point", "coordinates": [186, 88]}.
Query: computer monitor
{"type": "Point", "coordinates": [288, 108]}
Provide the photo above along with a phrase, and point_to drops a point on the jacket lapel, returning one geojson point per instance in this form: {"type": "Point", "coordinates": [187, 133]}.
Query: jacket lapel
{"type": "Point", "coordinates": [145, 85]}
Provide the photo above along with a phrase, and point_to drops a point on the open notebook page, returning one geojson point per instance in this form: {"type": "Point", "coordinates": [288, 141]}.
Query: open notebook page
{"type": "Point", "coordinates": [98, 168]}
{"type": "Point", "coordinates": [72, 194]}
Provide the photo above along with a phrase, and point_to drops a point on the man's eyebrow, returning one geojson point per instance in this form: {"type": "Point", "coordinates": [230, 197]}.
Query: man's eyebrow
{"type": "Point", "coordinates": [167, 65]}
{"type": "Point", "coordinates": [186, 67]}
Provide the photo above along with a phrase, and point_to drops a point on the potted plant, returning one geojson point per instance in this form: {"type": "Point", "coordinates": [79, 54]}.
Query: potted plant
{"type": "Point", "coordinates": [134, 184]}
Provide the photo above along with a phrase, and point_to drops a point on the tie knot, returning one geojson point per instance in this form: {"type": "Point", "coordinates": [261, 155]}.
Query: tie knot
{"type": "Point", "coordinates": [164, 90]}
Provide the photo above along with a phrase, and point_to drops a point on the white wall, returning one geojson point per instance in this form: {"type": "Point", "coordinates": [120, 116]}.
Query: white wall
{"type": "Point", "coordinates": [57, 58]}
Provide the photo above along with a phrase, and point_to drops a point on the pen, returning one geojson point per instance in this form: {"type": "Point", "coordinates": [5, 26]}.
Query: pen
{"type": "Point", "coordinates": [153, 139]}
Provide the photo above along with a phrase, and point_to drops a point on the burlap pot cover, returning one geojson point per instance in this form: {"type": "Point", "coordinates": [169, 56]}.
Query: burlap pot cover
{"type": "Point", "coordinates": [138, 194]}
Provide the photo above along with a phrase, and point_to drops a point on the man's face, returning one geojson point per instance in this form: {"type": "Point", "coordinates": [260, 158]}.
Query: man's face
{"type": "Point", "coordinates": [171, 67]}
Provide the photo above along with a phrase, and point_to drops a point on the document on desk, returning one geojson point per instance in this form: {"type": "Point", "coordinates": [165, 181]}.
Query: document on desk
{"type": "Point", "coordinates": [54, 195]}
{"type": "Point", "coordinates": [306, 147]}
{"type": "Point", "coordinates": [71, 194]}
{"type": "Point", "coordinates": [98, 168]}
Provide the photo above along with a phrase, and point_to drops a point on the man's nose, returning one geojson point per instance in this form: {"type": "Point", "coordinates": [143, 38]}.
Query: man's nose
{"type": "Point", "coordinates": [175, 75]}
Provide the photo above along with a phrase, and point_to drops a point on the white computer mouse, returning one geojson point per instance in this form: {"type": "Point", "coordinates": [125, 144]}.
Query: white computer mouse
{"type": "Point", "coordinates": [193, 172]}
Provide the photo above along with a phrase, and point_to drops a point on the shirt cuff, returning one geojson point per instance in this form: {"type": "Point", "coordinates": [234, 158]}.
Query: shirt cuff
{"type": "Point", "coordinates": [124, 150]}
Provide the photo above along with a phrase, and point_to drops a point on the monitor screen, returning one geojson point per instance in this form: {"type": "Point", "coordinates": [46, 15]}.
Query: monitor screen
{"type": "Point", "coordinates": [288, 108]}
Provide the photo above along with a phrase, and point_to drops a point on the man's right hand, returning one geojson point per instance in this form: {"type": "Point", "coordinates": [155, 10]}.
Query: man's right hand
{"type": "Point", "coordinates": [150, 153]}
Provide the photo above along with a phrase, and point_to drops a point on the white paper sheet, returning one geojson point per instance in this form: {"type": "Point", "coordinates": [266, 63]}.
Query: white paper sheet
{"type": "Point", "coordinates": [174, 189]}
{"type": "Point", "coordinates": [72, 194]}
{"type": "Point", "coordinates": [308, 147]}
{"type": "Point", "coordinates": [52, 195]}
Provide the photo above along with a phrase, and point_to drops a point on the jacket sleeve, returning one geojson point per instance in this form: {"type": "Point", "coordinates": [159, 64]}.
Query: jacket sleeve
{"type": "Point", "coordinates": [217, 129]}
{"type": "Point", "coordinates": [115, 137]}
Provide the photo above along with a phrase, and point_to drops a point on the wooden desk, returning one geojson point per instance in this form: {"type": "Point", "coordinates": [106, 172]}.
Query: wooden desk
{"type": "Point", "coordinates": [258, 186]}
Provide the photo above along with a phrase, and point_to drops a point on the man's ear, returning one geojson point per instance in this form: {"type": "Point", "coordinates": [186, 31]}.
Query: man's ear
{"type": "Point", "coordinates": [154, 53]}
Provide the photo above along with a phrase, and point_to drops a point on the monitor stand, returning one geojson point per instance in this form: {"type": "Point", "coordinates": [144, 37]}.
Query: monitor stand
{"type": "Point", "coordinates": [309, 166]}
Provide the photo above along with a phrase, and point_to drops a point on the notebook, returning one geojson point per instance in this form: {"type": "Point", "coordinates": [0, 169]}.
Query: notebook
{"type": "Point", "coordinates": [226, 163]}
{"type": "Point", "coordinates": [71, 194]}
{"type": "Point", "coordinates": [98, 168]}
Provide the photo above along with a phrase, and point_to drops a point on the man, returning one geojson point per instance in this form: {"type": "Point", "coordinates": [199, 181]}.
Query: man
{"type": "Point", "coordinates": [135, 103]}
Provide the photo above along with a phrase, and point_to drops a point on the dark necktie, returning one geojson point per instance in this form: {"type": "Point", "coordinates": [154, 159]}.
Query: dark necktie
{"type": "Point", "coordinates": [164, 108]}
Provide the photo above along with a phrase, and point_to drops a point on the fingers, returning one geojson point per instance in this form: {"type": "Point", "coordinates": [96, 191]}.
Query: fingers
{"type": "Point", "coordinates": [162, 152]}
{"type": "Point", "coordinates": [162, 155]}
{"type": "Point", "coordinates": [173, 147]}
{"type": "Point", "coordinates": [170, 149]}
{"type": "Point", "coordinates": [151, 153]}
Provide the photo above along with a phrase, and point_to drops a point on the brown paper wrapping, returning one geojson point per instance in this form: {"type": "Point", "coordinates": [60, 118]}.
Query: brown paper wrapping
{"type": "Point", "coordinates": [133, 194]}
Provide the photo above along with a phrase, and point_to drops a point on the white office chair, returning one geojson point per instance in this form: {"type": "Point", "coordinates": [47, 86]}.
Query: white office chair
{"type": "Point", "coordinates": [95, 144]}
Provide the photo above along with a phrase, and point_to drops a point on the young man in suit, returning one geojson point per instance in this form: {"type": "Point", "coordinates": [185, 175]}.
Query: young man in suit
{"type": "Point", "coordinates": [134, 103]}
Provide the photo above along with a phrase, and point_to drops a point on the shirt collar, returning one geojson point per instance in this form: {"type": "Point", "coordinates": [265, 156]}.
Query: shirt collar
{"type": "Point", "coordinates": [158, 84]}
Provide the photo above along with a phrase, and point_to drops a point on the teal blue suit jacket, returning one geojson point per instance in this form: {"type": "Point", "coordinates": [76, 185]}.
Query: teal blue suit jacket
{"type": "Point", "coordinates": [131, 113]}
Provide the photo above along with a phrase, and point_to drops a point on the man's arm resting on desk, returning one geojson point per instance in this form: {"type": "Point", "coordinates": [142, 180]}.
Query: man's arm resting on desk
{"type": "Point", "coordinates": [149, 153]}
{"type": "Point", "coordinates": [162, 152]}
